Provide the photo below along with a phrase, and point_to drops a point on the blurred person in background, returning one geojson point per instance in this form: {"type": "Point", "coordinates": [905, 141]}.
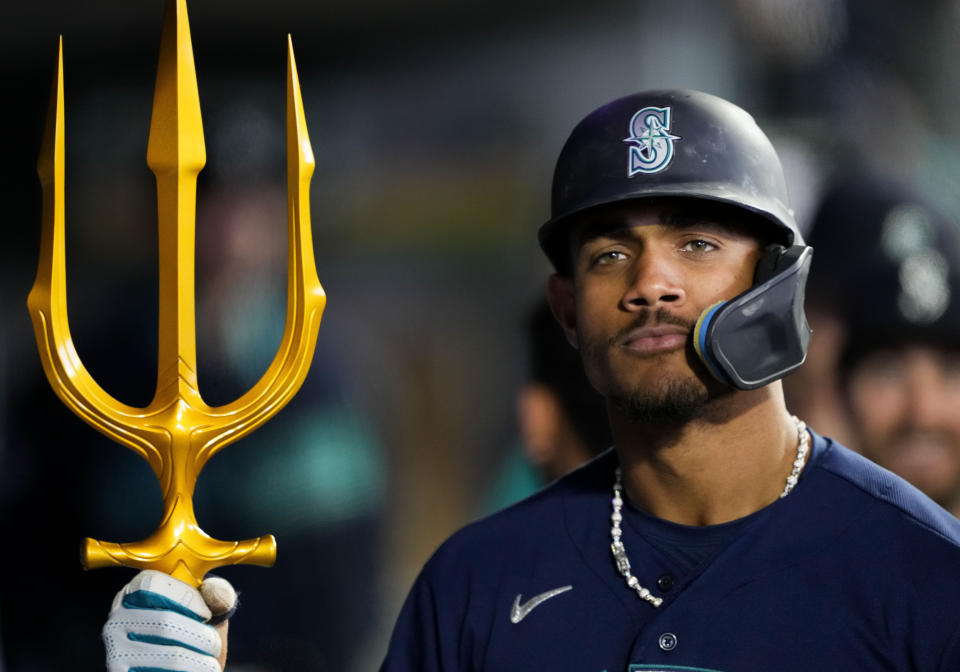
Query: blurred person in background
{"type": "Point", "coordinates": [562, 419]}
{"type": "Point", "coordinates": [316, 477]}
{"type": "Point", "coordinates": [887, 279]}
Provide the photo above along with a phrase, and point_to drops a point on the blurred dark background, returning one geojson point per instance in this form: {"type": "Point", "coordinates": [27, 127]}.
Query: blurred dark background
{"type": "Point", "coordinates": [435, 126]}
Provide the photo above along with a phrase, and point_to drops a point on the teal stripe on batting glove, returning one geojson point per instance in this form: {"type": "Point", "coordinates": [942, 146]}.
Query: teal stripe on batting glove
{"type": "Point", "coordinates": [157, 624]}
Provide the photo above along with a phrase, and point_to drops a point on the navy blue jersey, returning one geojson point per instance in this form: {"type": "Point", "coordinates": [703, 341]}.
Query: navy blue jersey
{"type": "Point", "coordinates": [854, 570]}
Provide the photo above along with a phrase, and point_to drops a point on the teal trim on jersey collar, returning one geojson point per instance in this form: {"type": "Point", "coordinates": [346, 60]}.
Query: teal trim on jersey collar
{"type": "Point", "coordinates": [668, 668]}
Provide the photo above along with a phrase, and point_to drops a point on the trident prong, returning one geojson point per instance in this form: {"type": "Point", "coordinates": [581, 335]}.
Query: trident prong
{"type": "Point", "coordinates": [177, 432]}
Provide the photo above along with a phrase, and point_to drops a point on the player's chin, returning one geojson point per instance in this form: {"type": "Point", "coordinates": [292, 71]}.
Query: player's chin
{"type": "Point", "coordinates": [662, 383]}
{"type": "Point", "coordinates": [665, 400]}
{"type": "Point", "coordinates": [622, 373]}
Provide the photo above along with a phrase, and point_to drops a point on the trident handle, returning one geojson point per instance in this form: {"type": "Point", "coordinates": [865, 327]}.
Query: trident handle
{"type": "Point", "coordinates": [177, 432]}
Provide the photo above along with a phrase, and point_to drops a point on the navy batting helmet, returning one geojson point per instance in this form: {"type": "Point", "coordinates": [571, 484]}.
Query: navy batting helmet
{"type": "Point", "coordinates": [688, 144]}
{"type": "Point", "coordinates": [684, 144]}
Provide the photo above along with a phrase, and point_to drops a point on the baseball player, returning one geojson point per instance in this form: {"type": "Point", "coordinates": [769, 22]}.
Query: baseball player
{"type": "Point", "coordinates": [899, 369]}
{"type": "Point", "coordinates": [720, 533]}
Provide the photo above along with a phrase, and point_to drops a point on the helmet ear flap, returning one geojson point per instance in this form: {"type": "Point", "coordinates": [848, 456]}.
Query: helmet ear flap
{"type": "Point", "coordinates": [762, 334]}
{"type": "Point", "coordinates": [769, 264]}
{"type": "Point", "coordinates": [775, 260]}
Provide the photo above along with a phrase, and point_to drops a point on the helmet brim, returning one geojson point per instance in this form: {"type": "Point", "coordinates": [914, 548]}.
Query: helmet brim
{"type": "Point", "coordinates": [553, 234]}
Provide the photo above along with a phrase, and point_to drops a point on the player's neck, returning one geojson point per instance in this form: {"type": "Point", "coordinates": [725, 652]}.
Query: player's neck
{"type": "Point", "coordinates": [712, 470]}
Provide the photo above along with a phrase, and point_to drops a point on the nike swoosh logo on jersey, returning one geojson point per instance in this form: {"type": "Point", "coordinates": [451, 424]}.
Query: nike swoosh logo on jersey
{"type": "Point", "coordinates": [520, 611]}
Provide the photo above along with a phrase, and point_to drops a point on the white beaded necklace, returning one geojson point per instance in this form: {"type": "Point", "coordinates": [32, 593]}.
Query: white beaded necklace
{"type": "Point", "coordinates": [619, 550]}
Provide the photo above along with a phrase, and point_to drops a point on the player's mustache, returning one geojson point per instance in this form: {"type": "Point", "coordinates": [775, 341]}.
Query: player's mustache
{"type": "Point", "coordinates": [652, 317]}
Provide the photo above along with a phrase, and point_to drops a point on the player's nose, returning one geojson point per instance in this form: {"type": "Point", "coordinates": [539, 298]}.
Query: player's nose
{"type": "Point", "coordinates": [653, 282]}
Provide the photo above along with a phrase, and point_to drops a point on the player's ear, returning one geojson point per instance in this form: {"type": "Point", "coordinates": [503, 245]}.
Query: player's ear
{"type": "Point", "coordinates": [563, 305]}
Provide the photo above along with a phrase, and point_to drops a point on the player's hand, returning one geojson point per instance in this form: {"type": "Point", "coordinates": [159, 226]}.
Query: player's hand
{"type": "Point", "coordinates": [160, 623]}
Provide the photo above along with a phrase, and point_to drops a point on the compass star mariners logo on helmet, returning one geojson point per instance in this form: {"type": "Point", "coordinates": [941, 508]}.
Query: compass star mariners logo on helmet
{"type": "Point", "coordinates": [653, 148]}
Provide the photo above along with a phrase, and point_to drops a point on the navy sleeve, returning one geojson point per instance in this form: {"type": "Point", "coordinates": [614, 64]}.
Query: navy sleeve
{"type": "Point", "coordinates": [424, 639]}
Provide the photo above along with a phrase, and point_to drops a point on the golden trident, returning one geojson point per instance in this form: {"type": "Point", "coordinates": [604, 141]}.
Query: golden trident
{"type": "Point", "coordinates": [177, 432]}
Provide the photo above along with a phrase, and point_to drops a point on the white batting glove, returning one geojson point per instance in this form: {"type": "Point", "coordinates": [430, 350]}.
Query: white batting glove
{"type": "Point", "coordinates": [160, 623]}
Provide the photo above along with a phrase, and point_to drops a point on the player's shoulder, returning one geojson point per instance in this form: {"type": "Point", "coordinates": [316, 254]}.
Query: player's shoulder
{"type": "Point", "coordinates": [528, 527]}
{"type": "Point", "coordinates": [888, 496]}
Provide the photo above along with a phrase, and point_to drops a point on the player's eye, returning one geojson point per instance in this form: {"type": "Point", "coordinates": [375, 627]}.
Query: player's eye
{"type": "Point", "coordinates": [608, 257]}
{"type": "Point", "coordinates": [698, 246]}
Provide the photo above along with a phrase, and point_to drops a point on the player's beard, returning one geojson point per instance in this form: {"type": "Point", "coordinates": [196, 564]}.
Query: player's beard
{"type": "Point", "coordinates": [675, 403]}
{"type": "Point", "coordinates": [673, 400]}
